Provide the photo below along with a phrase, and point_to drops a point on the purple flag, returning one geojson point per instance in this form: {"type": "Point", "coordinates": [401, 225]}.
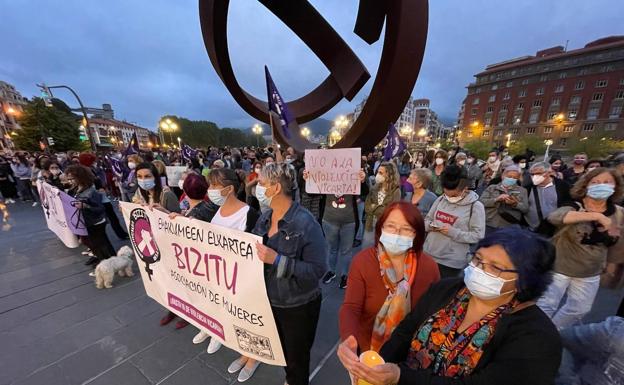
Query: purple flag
{"type": "Point", "coordinates": [394, 144]}
{"type": "Point", "coordinates": [115, 166]}
{"type": "Point", "coordinates": [188, 152]}
{"type": "Point", "coordinates": [133, 146]}
{"type": "Point", "coordinates": [278, 109]}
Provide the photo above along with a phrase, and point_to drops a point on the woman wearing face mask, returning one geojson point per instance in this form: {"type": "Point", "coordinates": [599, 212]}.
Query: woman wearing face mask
{"type": "Point", "coordinates": [233, 214]}
{"type": "Point", "coordinates": [255, 173]}
{"type": "Point", "coordinates": [490, 168]}
{"type": "Point", "coordinates": [572, 174]}
{"type": "Point", "coordinates": [128, 179]}
{"type": "Point", "coordinates": [483, 329]}
{"type": "Point", "coordinates": [385, 191]}
{"type": "Point", "coordinates": [557, 166]}
{"type": "Point", "coordinates": [455, 221]}
{"type": "Point", "coordinates": [151, 192]}
{"type": "Point", "coordinates": [475, 174]}
{"type": "Point", "coordinates": [422, 198]}
{"type": "Point", "coordinates": [505, 203]}
{"type": "Point", "coordinates": [386, 281]}
{"type": "Point", "coordinates": [590, 234]}
{"type": "Point", "coordinates": [23, 172]}
{"type": "Point", "coordinates": [52, 174]}
{"type": "Point", "coordinates": [421, 160]}
{"type": "Point", "coordinates": [436, 172]}
{"type": "Point", "coordinates": [593, 164]}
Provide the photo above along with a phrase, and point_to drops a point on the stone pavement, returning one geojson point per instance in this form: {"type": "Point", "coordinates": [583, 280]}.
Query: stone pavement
{"type": "Point", "coordinates": [57, 328]}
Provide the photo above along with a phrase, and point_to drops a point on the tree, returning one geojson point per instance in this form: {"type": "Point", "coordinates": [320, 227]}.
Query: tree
{"type": "Point", "coordinates": [480, 148]}
{"type": "Point", "coordinates": [532, 143]}
{"type": "Point", "coordinates": [596, 147]}
{"type": "Point", "coordinates": [39, 122]}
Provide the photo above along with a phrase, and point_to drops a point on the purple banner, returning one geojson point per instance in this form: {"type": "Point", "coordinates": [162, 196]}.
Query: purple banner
{"type": "Point", "coordinates": [75, 220]}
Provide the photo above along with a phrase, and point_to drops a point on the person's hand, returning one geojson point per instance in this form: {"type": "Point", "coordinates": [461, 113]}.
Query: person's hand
{"type": "Point", "coordinates": [266, 254]}
{"type": "Point", "coordinates": [511, 200]}
{"type": "Point", "coordinates": [444, 228]}
{"type": "Point", "coordinates": [502, 197]}
{"type": "Point", "coordinates": [385, 374]}
{"type": "Point", "coordinates": [174, 215]}
{"type": "Point", "coordinates": [603, 221]}
{"type": "Point", "coordinates": [153, 206]}
{"type": "Point", "coordinates": [306, 175]}
{"type": "Point", "coordinates": [362, 175]}
{"type": "Point", "coordinates": [347, 354]}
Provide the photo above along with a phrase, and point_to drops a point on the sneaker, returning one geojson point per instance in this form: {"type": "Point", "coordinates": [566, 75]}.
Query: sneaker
{"type": "Point", "coordinates": [328, 277]}
{"type": "Point", "coordinates": [166, 319]}
{"type": "Point", "coordinates": [35, 204]}
{"type": "Point", "coordinates": [213, 346]}
{"type": "Point", "coordinates": [237, 364]}
{"type": "Point", "coordinates": [181, 324]}
{"type": "Point", "coordinates": [200, 337]}
{"type": "Point", "coordinates": [92, 274]}
{"type": "Point", "coordinates": [91, 261]}
{"type": "Point", "coordinates": [248, 371]}
{"type": "Point", "coordinates": [343, 282]}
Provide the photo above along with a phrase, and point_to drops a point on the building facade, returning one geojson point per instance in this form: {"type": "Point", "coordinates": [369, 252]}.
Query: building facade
{"type": "Point", "coordinates": [11, 106]}
{"type": "Point", "coordinates": [556, 94]}
{"type": "Point", "coordinates": [116, 134]}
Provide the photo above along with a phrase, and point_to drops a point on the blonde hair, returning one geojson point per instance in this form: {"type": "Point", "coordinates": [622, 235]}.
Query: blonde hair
{"type": "Point", "coordinates": [392, 176]}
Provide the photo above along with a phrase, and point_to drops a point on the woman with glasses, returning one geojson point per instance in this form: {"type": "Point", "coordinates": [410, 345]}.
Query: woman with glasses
{"type": "Point", "coordinates": [386, 281]}
{"type": "Point", "coordinates": [483, 329]}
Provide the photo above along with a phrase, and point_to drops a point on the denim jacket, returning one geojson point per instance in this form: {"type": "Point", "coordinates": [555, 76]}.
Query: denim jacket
{"type": "Point", "coordinates": [293, 280]}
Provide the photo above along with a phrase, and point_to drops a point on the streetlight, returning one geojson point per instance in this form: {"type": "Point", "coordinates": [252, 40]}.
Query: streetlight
{"type": "Point", "coordinates": [508, 140]}
{"type": "Point", "coordinates": [257, 129]}
{"type": "Point", "coordinates": [334, 137]}
{"type": "Point", "coordinates": [179, 143]}
{"type": "Point", "coordinates": [305, 132]}
{"type": "Point", "coordinates": [548, 143]}
{"type": "Point", "coordinates": [170, 126]}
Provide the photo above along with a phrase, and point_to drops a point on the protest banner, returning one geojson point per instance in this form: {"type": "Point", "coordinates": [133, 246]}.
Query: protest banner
{"type": "Point", "coordinates": [62, 218]}
{"type": "Point", "coordinates": [209, 275]}
{"type": "Point", "coordinates": [174, 173]}
{"type": "Point", "coordinates": [334, 172]}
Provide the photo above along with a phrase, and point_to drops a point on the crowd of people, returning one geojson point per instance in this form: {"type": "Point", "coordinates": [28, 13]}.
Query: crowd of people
{"type": "Point", "coordinates": [456, 270]}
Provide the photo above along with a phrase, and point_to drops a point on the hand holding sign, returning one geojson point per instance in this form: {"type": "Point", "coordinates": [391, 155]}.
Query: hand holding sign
{"type": "Point", "coordinates": [266, 254]}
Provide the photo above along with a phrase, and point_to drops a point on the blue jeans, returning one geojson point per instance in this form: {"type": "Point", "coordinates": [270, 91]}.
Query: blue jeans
{"type": "Point", "coordinates": [580, 292]}
{"type": "Point", "coordinates": [360, 208]}
{"type": "Point", "coordinates": [593, 354]}
{"type": "Point", "coordinates": [340, 240]}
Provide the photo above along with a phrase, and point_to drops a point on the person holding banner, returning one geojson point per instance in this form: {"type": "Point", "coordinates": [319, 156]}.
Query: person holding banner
{"type": "Point", "coordinates": [385, 191]}
{"type": "Point", "coordinates": [295, 253]}
{"type": "Point", "coordinates": [89, 202]}
{"type": "Point", "coordinates": [386, 281]}
{"type": "Point", "coordinates": [151, 191]}
{"type": "Point", "coordinates": [52, 174]}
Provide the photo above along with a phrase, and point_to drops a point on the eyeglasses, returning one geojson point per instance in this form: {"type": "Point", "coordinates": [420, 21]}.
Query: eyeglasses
{"type": "Point", "coordinates": [488, 268]}
{"type": "Point", "coordinates": [396, 229]}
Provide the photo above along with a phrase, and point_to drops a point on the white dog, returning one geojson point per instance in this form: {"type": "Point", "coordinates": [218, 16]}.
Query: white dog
{"type": "Point", "coordinates": [120, 264]}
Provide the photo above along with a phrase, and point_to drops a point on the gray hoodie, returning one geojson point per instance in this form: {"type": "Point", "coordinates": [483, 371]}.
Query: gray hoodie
{"type": "Point", "coordinates": [467, 220]}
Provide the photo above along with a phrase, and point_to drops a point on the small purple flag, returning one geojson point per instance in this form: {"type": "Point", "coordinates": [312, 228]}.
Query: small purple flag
{"type": "Point", "coordinates": [133, 146]}
{"type": "Point", "coordinates": [394, 144]}
{"type": "Point", "coordinates": [188, 152]}
{"type": "Point", "coordinates": [278, 109]}
{"type": "Point", "coordinates": [115, 166]}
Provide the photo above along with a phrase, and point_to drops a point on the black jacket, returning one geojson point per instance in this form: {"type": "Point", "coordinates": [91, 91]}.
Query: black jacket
{"type": "Point", "coordinates": [525, 348]}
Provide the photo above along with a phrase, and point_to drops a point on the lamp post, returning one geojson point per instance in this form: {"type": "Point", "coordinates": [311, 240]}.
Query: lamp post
{"type": "Point", "coordinates": [179, 143]}
{"type": "Point", "coordinates": [305, 132]}
{"type": "Point", "coordinates": [168, 125]}
{"type": "Point", "coordinates": [257, 129]}
{"type": "Point", "coordinates": [548, 143]}
{"type": "Point", "coordinates": [508, 140]}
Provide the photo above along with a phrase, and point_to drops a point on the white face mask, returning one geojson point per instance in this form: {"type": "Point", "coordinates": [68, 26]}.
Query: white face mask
{"type": "Point", "coordinates": [215, 197]}
{"type": "Point", "coordinates": [470, 161]}
{"type": "Point", "coordinates": [257, 170]}
{"type": "Point", "coordinates": [522, 165]}
{"type": "Point", "coordinates": [395, 244]}
{"type": "Point", "coordinates": [482, 285]}
{"type": "Point", "coordinates": [590, 169]}
{"type": "Point", "coordinates": [439, 161]}
{"type": "Point", "coordinates": [380, 178]}
{"type": "Point", "coordinates": [454, 199]}
{"type": "Point", "coordinates": [492, 159]}
{"type": "Point", "coordinates": [461, 162]}
{"type": "Point", "coordinates": [538, 179]}
{"type": "Point", "coordinates": [131, 165]}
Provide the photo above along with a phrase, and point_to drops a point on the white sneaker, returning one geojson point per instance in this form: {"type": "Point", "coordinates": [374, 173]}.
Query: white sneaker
{"type": "Point", "coordinates": [35, 204]}
{"type": "Point", "coordinates": [213, 346]}
{"type": "Point", "coordinates": [237, 364]}
{"type": "Point", "coordinates": [200, 337]}
{"type": "Point", "coordinates": [247, 372]}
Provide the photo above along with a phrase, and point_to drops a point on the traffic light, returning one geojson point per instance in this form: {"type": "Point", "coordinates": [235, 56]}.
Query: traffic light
{"type": "Point", "coordinates": [83, 133]}
{"type": "Point", "coordinates": [46, 94]}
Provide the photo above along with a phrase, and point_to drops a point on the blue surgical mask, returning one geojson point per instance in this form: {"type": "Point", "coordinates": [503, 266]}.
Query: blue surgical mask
{"type": "Point", "coordinates": [600, 191]}
{"type": "Point", "coordinates": [147, 184]}
{"type": "Point", "coordinates": [508, 182]}
{"type": "Point", "coordinates": [395, 244]}
{"type": "Point", "coordinates": [261, 196]}
{"type": "Point", "coordinates": [216, 197]}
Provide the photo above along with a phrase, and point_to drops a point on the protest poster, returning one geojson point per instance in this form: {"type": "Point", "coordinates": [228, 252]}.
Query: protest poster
{"type": "Point", "coordinates": [334, 172]}
{"type": "Point", "coordinates": [62, 218]}
{"type": "Point", "coordinates": [209, 275]}
{"type": "Point", "coordinates": [174, 173]}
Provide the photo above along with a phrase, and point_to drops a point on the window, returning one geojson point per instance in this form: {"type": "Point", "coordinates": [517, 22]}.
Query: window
{"type": "Point", "coordinates": [543, 78]}
{"type": "Point", "coordinates": [522, 93]}
{"type": "Point", "coordinates": [593, 112]}
{"type": "Point", "coordinates": [611, 126]}
{"type": "Point", "coordinates": [488, 122]}
{"type": "Point", "coordinates": [525, 82]}
{"type": "Point", "coordinates": [576, 99]}
{"type": "Point", "coordinates": [517, 119]}
{"type": "Point", "coordinates": [514, 131]}
{"type": "Point", "coordinates": [555, 102]}
{"type": "Point", "coordinates": [501, 120]}
{"type": "Point", "coordinates": [504, 107]}
{"type": "Point", "coordinates": [601, 83]}
{"type": "Point", "coordinates": [568, 129]}
{"type": "Point", "coordinates": [619, 94]}
{"type": "Point", "coordinates": [539, 91]}
{"type": "Point", "coordinates": [509, 84]}
{"type": "Point", "coordinates": [520, 106]}
{"type": "Point", "coordinates": [478, 90]}
{"type": "Point", "coordinates": [583, 72]}
{"type": "Point", "coordinates": [579, 85]}
{"type": "Point", "coordinates": [552, 115]}
{"type": "Point", "coordinates": [606, 68]}
{"type": "Point", "coordinates": [531, 130]}
{"type": "Point", "coordinates": [492, 98]}
{"type": "Point", "coordinates": [537, 103]}
{"type": "Point", "coordinates": [475, 101]}
{"type": "Point", "coordinates": [563, 75]}
{"type": "Point", "coordinates": [563, 142]}
{"type": "Point", "coordinates": [598, 96]}
{"type": "Point", "coordinates": [588, 127]}
{"type": "Point", "coordinates": [559, 88]}
{"type": "Point", "coordinates": [473, 112]}
{"type": "Point", "coordinates": [615, 112]}
{"type": "Point", "coordinates": [534, 117]}
{"type": "Point", "coordinates": [507, 96]}
{"type": "Point", "coordinates": [548, 130]}
{"type": "Point", "coordinates": [572, 114]}
{"type": "Point", "coordinates": [486, 132]}
{"type": "Point", "coordinates": [498, 133]}
{"type": "Point", "coordinates": [494, 87]}
{"type": "Point", "coordinates": [490, 109]}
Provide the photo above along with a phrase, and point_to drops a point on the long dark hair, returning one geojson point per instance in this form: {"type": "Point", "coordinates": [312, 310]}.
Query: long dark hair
{"type": "Point", "coordinates": [157, 186]}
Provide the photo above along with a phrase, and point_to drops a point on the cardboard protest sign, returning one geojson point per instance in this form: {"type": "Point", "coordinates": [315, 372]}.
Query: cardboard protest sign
{"type": "Point", "coordinates": [174, 173]}
{"type": "Point", "coordinates": [62, 218]}
{"type": "Point", "coordinates": [209, 275]}
{"type": "Point", "coordinates": [333, 171]}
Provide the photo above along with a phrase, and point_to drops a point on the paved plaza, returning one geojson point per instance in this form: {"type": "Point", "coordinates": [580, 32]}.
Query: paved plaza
{"type": "Point", "coordinates": [57, 328]}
